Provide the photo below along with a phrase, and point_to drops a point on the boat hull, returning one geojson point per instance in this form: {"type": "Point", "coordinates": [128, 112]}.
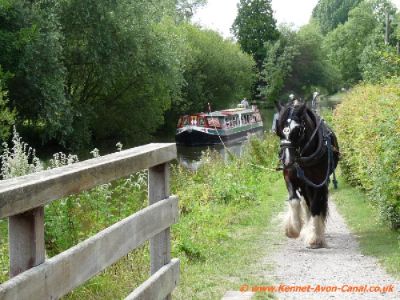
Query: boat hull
{"type": "Point", "coordinates": [194, 137]}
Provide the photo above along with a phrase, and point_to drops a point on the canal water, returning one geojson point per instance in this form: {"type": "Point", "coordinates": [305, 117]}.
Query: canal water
{"type": "Point", "coordinates": [190, 157]}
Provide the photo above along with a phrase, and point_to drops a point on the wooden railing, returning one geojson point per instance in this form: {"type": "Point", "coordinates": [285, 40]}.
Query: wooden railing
{"type": "Point", "coordinates": [22, 200]}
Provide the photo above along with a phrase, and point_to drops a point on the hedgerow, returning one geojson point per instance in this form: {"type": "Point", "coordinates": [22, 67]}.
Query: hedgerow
{"type": "Point", "coordinates": [368, 126]}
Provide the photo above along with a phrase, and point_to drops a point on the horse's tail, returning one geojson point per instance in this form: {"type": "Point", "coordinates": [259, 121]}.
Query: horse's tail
{"type": "Point", "coordinates": [335, 150]}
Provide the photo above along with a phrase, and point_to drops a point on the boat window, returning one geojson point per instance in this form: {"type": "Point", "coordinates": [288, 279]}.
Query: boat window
{"type": "Point", "coordinates": [201, 122]}
{"type": "Point", "coordinates": [213, 122]}
{"type": "Point", "coordinates": [185, 121]}
{"type": "Point", "coordinates": [234, 121]}
{"type": "Point", "coordinates": [228, 122]}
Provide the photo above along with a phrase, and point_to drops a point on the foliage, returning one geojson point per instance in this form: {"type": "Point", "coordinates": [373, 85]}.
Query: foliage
{"type": "Point", "coordinates": [216, 71]}
{"type": "Point", "coordinates": [225, 205]}
{"type": "Point", "coordinates": [345, 44]}
{"type": "Point", "coordinates": [254, 26]}
{"type": "Point", "coordinates": [186, 8]}
{"type": "Point", "coordinates": [278, 64]}
{"type": "Point", "coordinates": [332, 13]}
{"type": "Point", "coordinates": [367, 124]}
{"type": "Point", "coordinates": [31, 52]}
{"type": "Point", "coordinates": [75, 218]}
{"type": "Point", "coordinates": [80, 72]}
{"type": "Point", "coordinates": [351, 45]}
{"type": "Point", "coordinates": [311, 70]}
{"type": "Point", "coordinates": [296, 63]}
{"type": "Point", "coordinates": [17, 160]}
{"type": "Point", "coordinates": [7, 117]}
{"type": "Point", "coordinates": [379, 61]}
{"type": "Point", "coordinates": [123, 64]}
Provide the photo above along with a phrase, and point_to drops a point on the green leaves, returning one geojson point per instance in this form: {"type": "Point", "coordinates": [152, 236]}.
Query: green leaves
{"type": "Point", "coordinates": [254, 26]}
{"type": "Point", "coordinates": [332, 13]}
{"type": "Point", "coordinates": [296, 63]}
{"type": "Point", "coordinates": [367, 124]}
{"type": "Point", "coordinates": [7, 117]}
{"type": "Point", "coordinates": [214, 70]}
{"type": "Point", "coordinates": [357, 47]}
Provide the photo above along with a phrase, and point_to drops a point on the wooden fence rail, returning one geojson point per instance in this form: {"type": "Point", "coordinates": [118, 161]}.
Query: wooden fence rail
{"type": "Point", "coordinates": [22, 200]}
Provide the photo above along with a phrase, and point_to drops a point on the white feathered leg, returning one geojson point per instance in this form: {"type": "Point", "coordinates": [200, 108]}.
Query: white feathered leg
{"type": "Point", "coordinates": [293, 222]}
{"type": "Point", "coordinates": [314, 232]}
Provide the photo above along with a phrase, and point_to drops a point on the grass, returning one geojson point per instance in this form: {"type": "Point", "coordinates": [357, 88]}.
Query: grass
{"type": "Point", "coordinates": [234, 246]}
{"type": "Point", "coordinates": [226, 208]}
{"type": "Point", "coordinates": [375, 238]}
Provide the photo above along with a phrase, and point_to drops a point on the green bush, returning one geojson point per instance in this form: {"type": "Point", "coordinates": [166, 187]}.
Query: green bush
{"type": "Point", "coordinates": [368, 126]}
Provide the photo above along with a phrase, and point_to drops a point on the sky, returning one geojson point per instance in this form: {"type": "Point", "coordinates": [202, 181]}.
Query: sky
{"type": "Point", "coordinates": [220, 14]}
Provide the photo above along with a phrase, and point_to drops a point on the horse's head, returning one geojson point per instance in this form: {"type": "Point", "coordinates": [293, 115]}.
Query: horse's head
{"type": "Point", "coordinates": [290, 127]}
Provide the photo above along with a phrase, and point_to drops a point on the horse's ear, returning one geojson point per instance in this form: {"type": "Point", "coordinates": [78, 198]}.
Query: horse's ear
{"type": "Point", "coordinates": [278, 106]}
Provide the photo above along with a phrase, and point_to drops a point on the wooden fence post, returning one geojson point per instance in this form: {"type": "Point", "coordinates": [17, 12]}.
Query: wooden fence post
{"type": "Point", "coordinates": [160, 244]}
{"type": "Point", "coordinates": [26, 240]}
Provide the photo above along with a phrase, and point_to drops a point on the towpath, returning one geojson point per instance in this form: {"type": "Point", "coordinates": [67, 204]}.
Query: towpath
{"type": "Point", "coordinates": [340, 265]}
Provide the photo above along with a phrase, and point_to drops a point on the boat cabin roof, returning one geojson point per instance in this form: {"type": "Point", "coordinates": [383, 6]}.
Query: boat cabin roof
{"type": "Point", "coordinates": [235, 111]}
{"type": "Point", "coordinates": [223, 113]}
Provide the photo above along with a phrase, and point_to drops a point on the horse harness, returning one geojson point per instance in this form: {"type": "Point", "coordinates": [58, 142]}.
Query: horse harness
{"type": "Point", "coordinates": [324, 144]}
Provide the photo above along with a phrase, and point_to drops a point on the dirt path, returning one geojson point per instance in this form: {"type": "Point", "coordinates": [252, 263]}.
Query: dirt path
{"type": "Point", "coordinates": [340, 264]}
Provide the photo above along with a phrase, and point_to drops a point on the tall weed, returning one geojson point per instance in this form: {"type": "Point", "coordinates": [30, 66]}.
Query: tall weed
{"type": "Point", "coordinates": [18, 160]}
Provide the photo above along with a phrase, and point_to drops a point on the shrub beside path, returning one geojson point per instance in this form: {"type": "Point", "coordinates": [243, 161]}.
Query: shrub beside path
{"type": "Point", "coordinates": [342, 263]}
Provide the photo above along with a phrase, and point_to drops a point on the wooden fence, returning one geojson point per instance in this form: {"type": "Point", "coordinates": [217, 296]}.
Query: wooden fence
{"type": "Point", "coordinates": [22, 200]}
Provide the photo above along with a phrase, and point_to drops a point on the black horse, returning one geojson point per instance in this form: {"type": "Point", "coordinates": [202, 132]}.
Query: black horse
{"type": "Point", "coordinates": [309, 153]}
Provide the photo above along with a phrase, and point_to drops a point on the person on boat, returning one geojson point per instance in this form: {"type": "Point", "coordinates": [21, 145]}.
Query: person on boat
{"type": "Point", "coordinates": [314, 102]}
{"type": "Point", "coordinates": [245, 103]}
{"type": "Point", "coordinates": [274, 120]}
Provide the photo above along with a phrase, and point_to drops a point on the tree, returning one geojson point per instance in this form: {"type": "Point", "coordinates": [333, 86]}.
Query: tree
{"type": "Point", "coordinates": [379, 61]}
{"type": "Point", "coordinates": [311, 70]}
{"type": "Point", "coordinates": [297, 64]}
{"type": "Point", "coordinates": [31, 53]}
{"type": "Point", "coordinates": [345, 44]}
{"type": "Point", "coordinates": [186, 8]}
{"type": "Point", "coordinates": [331, 13]}
{"type": "Point", "coordinates": [216, 71]}
{"type": "Point", "coordinates": [254, 26]}
{"type": "Point", "coordinates": [7, 117]}
{"type": "Point", "coordinates": [124, 67]}
{"type": "Point", "coordinates": [278, 64]}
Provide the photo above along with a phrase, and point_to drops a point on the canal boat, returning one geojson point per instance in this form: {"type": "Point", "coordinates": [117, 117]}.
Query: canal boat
{"type": "Point", "coordinates": [218, 127]}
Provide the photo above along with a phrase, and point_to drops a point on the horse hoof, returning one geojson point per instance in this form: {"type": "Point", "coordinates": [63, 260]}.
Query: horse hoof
{"type": "Point", "coordinates": [316, 244]}
{"type": "Point", "coordinates": [292, 233]}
